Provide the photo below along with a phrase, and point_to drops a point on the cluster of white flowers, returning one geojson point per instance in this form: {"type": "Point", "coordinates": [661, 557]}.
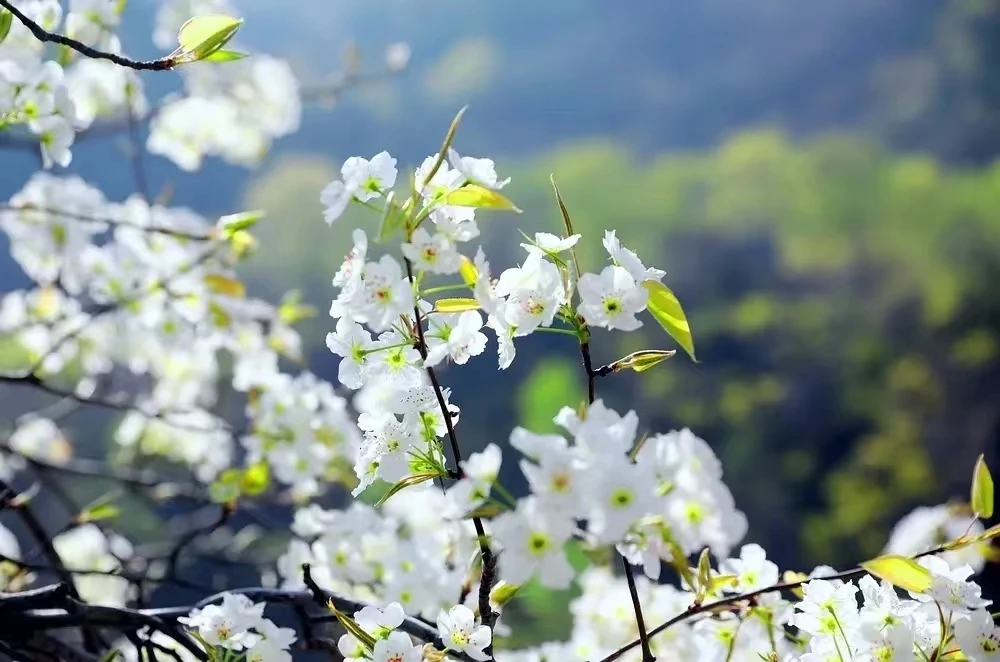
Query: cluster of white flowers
{"type": "Point", "coordinates": [146, 295]}
{"type": "Point", "coordinates": [233, 110]}
{"type": "Point", "coordinates": [238, 625]}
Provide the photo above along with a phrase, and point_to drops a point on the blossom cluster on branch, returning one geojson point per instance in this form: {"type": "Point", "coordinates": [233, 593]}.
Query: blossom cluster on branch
{"type": "Point", "coordinates": [136, 308]}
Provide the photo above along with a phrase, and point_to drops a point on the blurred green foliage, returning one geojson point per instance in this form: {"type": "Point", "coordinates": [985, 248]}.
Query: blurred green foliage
{"type": "Point", "coordinates": [842, 300]}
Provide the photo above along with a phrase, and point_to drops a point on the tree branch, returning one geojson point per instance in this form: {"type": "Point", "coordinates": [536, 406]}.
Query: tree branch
{"type": "Point", "coordinates": [44, 35]}
{"type": "Point", "coordinates": [592, 375]}
{"type": "Point", "coordinates": [486, 613]}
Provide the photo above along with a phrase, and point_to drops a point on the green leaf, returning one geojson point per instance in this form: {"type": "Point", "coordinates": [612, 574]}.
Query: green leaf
{"type": "Point", "coordinates": [225, 285]}
{"type": "Point", "coordinates": [721, 581]}
{"type": "Point", "coordinates": [982, 490]}
{"type": "Point", "coordinates": [666, 308]}
{"type": "Point", "coordinates": [201, 36]}
{"type": "Point", "coordinates": [643, 359]}
{"type": "Point", "coordinates": [226, 487]}
{"type": "Point", "coordinates": [6, 20]}
{"type": "Point", "coordinates": [223, 55]}
{"type": "Point", "coordinates": [231, 224]}
{"type": "Point", "coordinates": [99, 509]}
{"type": "Point", "coordinates": [448, 139]}
{"type": "Point", "coordinates": [503, 593]}
{"type": "Point", "coordinates": [479, 197]}
{"type": "Point", "coordinates": [900, 571]}
{"type": "Point", "coordinates": [291, 311]}
{"type": "Point", "coordinates": [113, 655]}
{"type": "Point", "coordinates": [409, 481]}
{"type": "Point", "coordinates": [468, 271]}
{"type": "Point", "coordinates": [98, 513]}
{"type": "Point", "coordinates": [455, 305]}
{"type": "Point", "coordinates": [393, 218]}
{"type": "Point", "coordinates": [704, 571]}
{"type": "Point", "coordinates": [353, 628]}
{"type": "Point", "coordinates": [567, 222]}
{"type": "Point", "coordinates": [486, 511]}
{"type": "Point", "coordinates": [256, 479]}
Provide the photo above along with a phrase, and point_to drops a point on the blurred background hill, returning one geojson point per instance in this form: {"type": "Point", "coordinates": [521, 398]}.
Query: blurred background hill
{"type": "Point", "coordinates": [818, 179]}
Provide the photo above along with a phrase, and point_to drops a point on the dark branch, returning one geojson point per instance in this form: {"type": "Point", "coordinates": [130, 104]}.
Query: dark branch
{"type": "Point", "coordinates": [592, 375]}
{"type": "Point", "coordinates": [44, 35]}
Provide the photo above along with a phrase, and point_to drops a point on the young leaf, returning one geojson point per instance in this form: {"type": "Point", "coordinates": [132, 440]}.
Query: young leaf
{"type": "Point", "coordinates": [225, 285]}
{"type": "Point", "coordinates": [666, 308]}
{"type": "Point", "coordinates": [233, 223]}
{"type": "Point", "coordinates": [223, 55]}
{"type": "Point", "coordinates": [393, 218]}
{"type": "Point", "coordinates": [98, 512]}
{"type": "Point", "coordinates": [113, 656]}
{"type": "Point", "coordinates": [226, 487]}
{"type": "Point", "coordinates": [900, 571]}
{"type": "Point", "coordinates": [503, 593]}
{"type": "Point", "coordinates": [643, 359]}
{"type": "Point", "coordinates": [201, 36]}
{"type": "Point", "coordinates": [448, 139]}
{"type": "Point", "coordinates": [468, 271]}
{"type": "Point", "coordinates": [567, 223]}
{"type": "Point", "coordinates": [704, 571]}
{"type": "Point", "coordinates": [455, 305]}
{"type": "Point", "coordinates": [6, 20]}
{"type": "Point", "coordinates": [480, 197]}
{"type": "Point", "coordinates": [353, 628]}
{"type": "Point", "coordinates": [291, 311]}
{"type": "Point", "coordinates": [409, 481]}
{"type": "Point", "coordinates": [982, 490]}
{"type": "Point", "coordinates": [792, 577]}
{"type": "Point", "coordinates": [256, 479]}
{"type": "Point", "coordinates": [485, 511]}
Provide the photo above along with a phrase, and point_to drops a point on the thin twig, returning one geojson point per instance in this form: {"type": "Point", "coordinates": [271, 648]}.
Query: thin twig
{"type": "Point", "coordinates": [44, 35]}
{"type": "Point", "coordinates": [592, 375]}
{"type": "Point", "coordinates": [694, 610]}
{"type": "Point", "coordinates": [486, 613]}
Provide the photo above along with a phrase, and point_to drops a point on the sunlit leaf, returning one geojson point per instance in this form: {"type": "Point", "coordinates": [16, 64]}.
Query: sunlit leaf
{"type": "Point", "coordinates": [98, 512]}
{"type": "Point", "coordinates": [720, 582]}
{"type": "Point", "coordinates": [233, 223]}
{"type": "Point", "coordinates": [256, 479]}
{"type": "Point", "coordinates": [643, 359]}
{"type": "Point", "coordinates": [503, 593]}
{"type": "Point", "coordinates": [393, 218]}
{"type": "Point", "coordinates": [201, 36]}
{"type": "Point", "coordinates": [455, 305]}
{"type": "Point", "coordinates": [223, 55]}
{"type": "Point", "coordinates": [900, 571]}
{"type": "Point", "coordinates": [291, 311]}
{"type": "Point", "coordinates": [225, 285]}
{"type": "Point", "coordinates": [666, 308]}
{"type": "Point", "coordinates": [479, 197]}
{"type": "Point", "coordinates": [409, 481]}
{"type": "Point", "coordinates": [468, 271]}
{"type": "Point", "coordinates": [113, 656]}
{"type": "Point", "coordinates": [486, 511]}
{"type": "Point", "coordinates": [226, 487]}
{"type": "Point", "coordinates": [704, 571]}
{"type": "Point", "coordinates": [353, 628]}
{"type": "Point", "coordinates": [6, 20]}
{"type": "Point", "coordinates": [982, 490]}
{"type": "Point", "coordinates": [568, 225]}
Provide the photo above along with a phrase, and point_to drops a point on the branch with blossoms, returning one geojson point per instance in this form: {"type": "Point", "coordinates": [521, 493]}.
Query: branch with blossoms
{"type": "Point", "coordinates": [137, 316]}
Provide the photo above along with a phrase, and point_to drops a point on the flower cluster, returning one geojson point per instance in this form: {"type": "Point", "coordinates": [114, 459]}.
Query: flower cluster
{"type": "Point", "coordinates": [238, 625]}
{"type": "Point", "coordinates": [136, 306]}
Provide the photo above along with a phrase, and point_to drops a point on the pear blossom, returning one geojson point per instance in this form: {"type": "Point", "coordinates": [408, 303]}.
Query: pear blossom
{"type": "Point", "coordinates": [459, 632]}
{"type": "Point", "coordinates": [611, 299]}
